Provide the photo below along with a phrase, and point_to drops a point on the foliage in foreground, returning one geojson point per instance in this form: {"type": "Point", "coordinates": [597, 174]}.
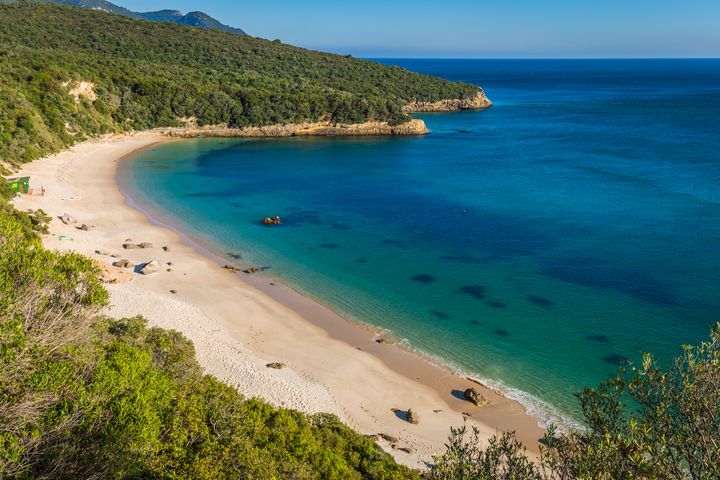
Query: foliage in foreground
{"type": "Point", "coordinates": [645, 423]}
{"type": "Point", "coordinates": [83, 396]}
{"type": "Point", "coordinates": [150, 75]}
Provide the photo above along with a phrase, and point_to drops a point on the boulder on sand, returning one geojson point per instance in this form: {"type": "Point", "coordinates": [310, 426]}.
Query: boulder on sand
{"type": "Point", "coordinates": [145, 245]}
{"type": "Point", "coordinates": [124, 264]}
{"type": "Point", "coordinates": [412, 417]}
{"type": "Point", "coordinates": [67, 219]}
{"type": "Point", "coordinates": [152, 266]}
{"type": "Point", "coordinates": [130, 246]}
{"type": "Point", "coordinates": [472, 395]}
{"type": "Point", "coordinates": [276, 365]}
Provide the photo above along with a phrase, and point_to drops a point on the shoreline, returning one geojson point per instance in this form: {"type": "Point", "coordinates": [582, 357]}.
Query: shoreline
{"type": "Point", "coordinates": [333, 364]}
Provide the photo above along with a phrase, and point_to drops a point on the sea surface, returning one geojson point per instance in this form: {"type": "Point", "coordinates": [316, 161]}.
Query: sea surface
{"type": "Point", "coordinates": [537, 245]}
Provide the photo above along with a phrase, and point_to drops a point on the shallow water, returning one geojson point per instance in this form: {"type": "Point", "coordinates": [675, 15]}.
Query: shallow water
{"type": "Point", "coordinates": [572, 226]}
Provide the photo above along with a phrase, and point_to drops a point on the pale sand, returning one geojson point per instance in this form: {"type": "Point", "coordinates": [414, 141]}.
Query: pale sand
{"type": "Point", "coordinates": [240, 323]}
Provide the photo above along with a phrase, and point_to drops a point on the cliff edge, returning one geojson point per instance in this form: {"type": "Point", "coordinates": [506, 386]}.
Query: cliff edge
{"type": "Point", "coordinates": [413, 127]}
{"type": "Point", "coordinates": [477, 102]}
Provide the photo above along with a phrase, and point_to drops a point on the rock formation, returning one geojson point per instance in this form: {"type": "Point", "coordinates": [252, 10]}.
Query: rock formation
{"type": "Point", "coordinates": [477, 102]}
{"type": "Point", "coordinates": [124, 264]}
{"type": "Point", "coordinates": [413, 127]}
{"type": "Point", "coordinates": [472, 395]}
{"type": "Point", "coordinates": [272, 220]}
{"type": "Point", "coordinates": [152, 266]}
{"type": "Point", "coordinates": [412, 417]}
{"type": "Point", "coordinates": [67, 219]}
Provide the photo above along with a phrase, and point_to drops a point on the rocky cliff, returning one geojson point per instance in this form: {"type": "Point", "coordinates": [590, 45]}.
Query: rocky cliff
{"type": "Point", "coordinates": [413, 127]}
{"type": "Point", "coordinates": [477, 102]}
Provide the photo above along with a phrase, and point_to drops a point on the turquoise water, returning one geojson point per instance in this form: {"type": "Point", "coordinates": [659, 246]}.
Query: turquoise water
{"type": "Point", "coordinates": [572, 226]}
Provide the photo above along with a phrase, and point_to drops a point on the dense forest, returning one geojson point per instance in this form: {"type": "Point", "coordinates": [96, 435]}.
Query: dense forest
{"type": "Point", "coordinates": [147, 75]}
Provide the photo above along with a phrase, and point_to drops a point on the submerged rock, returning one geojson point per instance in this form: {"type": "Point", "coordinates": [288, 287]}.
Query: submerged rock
{"type": "Point", "coordinates": [272, 220]}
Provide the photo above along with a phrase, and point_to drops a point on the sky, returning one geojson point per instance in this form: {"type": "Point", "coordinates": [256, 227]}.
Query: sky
{"type": "Point", "coordinates": [474, 28]}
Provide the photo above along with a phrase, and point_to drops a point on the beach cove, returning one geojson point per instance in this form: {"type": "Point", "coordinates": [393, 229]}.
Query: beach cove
{"type": "Point", "coordinates": [332, 365]}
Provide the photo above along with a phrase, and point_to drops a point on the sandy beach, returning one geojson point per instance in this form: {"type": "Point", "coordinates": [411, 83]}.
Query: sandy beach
{"type": "Point", "coordinates": [241, 323]}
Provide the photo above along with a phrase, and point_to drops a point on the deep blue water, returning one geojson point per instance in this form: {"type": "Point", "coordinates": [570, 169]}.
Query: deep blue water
{"type": "Point", "coordinates": [576, 225]}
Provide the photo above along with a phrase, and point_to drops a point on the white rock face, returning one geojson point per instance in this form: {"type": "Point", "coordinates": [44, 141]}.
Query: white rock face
{"type": "Point", "coordinates": [151, 267]}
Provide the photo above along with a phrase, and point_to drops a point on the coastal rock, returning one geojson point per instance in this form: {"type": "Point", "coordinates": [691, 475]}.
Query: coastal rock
{"type": "Point", "coordinates": [67, 219]}
{"type": "Point", "coordinates": [85, 227]}
{"type": "Point", "coordinates": [272, 220]}
{"type": "Point", "coordinates": [388, 438]}
{"type": "Point", "coordinates": [412, 417]}
{"type": "Point", "coordinates": [251, 270]}
{"type": "Point", "coordinates": [102, 252]}
{"type": "Point", "coordinates": [477, 102]}
{"type": "Point", "coordinates": [166, 248]}
{"type": "Point", "coordinates": [132, 246]}
{"type": "Point", "coordinates": [405, 449]}
{"type": "Point", "coordinates": [276, 365]}
{"type": "Point", "coordinates": [472, 395]}
{"type": "Point", "coordinates": [152, 266]}
{"type": "Point", "coordinates": [412, 127]}
{"type": "Point", "coordinates": [124, 264]}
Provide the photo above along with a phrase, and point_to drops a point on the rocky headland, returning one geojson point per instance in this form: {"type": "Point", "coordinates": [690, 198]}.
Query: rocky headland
{"type": "Point", "coordinates": [477, 102]}
{"type": "Point", "coordinates": [413, 127]}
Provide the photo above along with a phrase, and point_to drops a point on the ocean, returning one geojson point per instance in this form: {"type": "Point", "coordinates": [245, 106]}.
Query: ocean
{"type": "Point", "coordinates": [537, 245]}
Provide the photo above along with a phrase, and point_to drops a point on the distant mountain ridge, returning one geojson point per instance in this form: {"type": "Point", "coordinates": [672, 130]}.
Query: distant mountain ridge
{"type": "Point", "coordinates": [192, 19]}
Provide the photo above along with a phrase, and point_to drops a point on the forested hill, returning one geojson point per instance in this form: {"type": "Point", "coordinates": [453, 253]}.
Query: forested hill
{"type": "Point", "coordinates": [194, 19]}
{"type": "Point", "coordinates": [66, 73]}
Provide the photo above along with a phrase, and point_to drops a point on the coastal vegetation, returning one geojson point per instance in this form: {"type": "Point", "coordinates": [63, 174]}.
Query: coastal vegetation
{"type": "Point", "coordinates": [647, 422]}
{"type": "Point", "coordinates": [69, 73]}
{"type": "Point", "coordinates": [86, 396]}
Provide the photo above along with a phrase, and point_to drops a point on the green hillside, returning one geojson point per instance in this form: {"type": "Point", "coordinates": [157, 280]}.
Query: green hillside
{"type": "Point", "coordinates": [149, 75]}
{"type": "Point", "coordinates": [83, 396]}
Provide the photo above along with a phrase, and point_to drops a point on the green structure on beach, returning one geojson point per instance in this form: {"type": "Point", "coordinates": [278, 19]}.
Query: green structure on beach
{"type": "Point", "coordinates": [19, 185]}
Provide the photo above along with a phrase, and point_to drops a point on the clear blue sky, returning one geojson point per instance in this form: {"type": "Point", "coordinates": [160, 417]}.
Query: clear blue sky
{"type": "Point", "coordinates": [475, 28]}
